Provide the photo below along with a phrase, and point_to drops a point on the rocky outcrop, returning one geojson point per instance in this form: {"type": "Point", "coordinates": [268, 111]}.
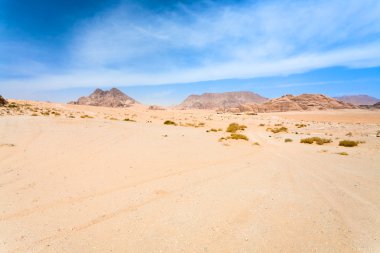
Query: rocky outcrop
{"type": "Point", "coordinates": [111, 98]}
{"type": "Point", "coordinates": [304, 102]}
{"type": "Point", "coordinates": [156, 108]}
{"type": "Point", "coordinates": [3, 101]}
{"type": "Point", "coordinates": [221, 101]}
{"type": "Point", "coordinates": [371, 107]}
{"type": "Point", "coordinates": [359, 99]}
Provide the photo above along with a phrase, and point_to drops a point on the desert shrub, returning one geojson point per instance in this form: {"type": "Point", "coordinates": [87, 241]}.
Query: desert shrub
{"type": "Point", "coordinates": [86, 116]}
{"type": "Point", "coordinates": [317, 140]}
{"type": "Point", "coordinates": [113, 119]}
{"type": "Point", "coordinates": [235, 136]}
{"type": "Point", "coordinates": [212, 130]}
{"type": "Point", "coordinates": [131, 120]}
{"type": "Point", "coordinates": [262, 125]}
{"type": "Point", "coordinates": [234, 127]}
{"type": "Point", "coordinates": [34, 114]}
{"type": "Point", "coordinates": [278, 130]}
{"type": "Point", "coordinates": [288, 140]}
{"type": "Point", "coordinates": [300, 125]}
{"type": "Point", "coordinates": [256, 143]}
{"type": "Point", "coordinates": [378, 134]}
{"type": "Point", "coordinates": [343, 153]}
{"type": "Point", "coordinates": [349, 134]}
{"type": "Point", "coordinates": [169, 122]}
{"type": "Point", "coordinates": [348, 143]}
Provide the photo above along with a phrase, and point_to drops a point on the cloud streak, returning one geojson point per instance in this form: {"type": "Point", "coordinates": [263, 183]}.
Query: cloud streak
{"type": "Point", "coordinates": [130, 45]}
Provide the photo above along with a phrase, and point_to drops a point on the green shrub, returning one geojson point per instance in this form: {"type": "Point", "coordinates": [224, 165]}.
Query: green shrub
{"type": "Point", "coordinates": [234, 127]}
{"type": "Point", "coordinates": [348, 143]}
{"type": "Point", "coordinates": [317, 140]}
{"type": "Point", "coordinates": [169, 122]}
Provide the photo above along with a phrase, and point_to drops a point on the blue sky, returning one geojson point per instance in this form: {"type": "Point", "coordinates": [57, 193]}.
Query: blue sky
{"type": "Point", "coordinates": [161, 51]}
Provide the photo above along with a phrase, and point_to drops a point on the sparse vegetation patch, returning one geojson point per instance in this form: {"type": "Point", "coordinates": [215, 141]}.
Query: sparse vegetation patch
{"type": "Point", "coordinates": [86, 116]}
{"type": "Point", "coordinates": [169, 122]}
{"type": "Point", "coordinates": [288, 140]}
{"type": "Point", "coordinates": [317, 140]}
{"type": "Point", "coordinates": [278, 130]}
{"type": "Point", "coordinates": [348, 143]}
{"type": "Point", "coordinates": [234, 127]}
{"type": "Point", "coordinates": [235, 136]}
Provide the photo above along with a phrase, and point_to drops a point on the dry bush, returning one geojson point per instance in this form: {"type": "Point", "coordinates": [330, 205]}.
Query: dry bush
{"type": "Point", "coordinates": [348, 143]}
{"type": "Point", "coordinates": [301, 125]}
{"type": "Point", "coordinates": [317, 140]}
{"type": "Point", "coordinates": [86, 116]}
{"type": "Point", "coordinates": [235, 136]}
{"type": "Point", "coordinates": [343, 153]}
{"type": "Point", "coordinates": [288, 140]}
{"type": "Point", "coordinates": [278, 130]}
{"type": "Point", "coordinates": [131, 120]}
{"type": "Point", "coordinates": [234, 127]}
{"type": "Point", "coordinates": [169, 122]}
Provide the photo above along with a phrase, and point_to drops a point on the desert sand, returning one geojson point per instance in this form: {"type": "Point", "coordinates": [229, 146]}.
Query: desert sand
{"type": "Point", "coordinates": [97, 183]}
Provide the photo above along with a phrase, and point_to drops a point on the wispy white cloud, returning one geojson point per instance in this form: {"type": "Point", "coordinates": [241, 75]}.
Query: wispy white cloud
{"type": "Point", "coordinates": [132, 46]}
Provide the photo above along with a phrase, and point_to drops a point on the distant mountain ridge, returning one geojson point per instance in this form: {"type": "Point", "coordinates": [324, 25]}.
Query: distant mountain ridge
{"type": "Point", "coordinates": [303, 102]}
{"type": "Point", "coordinates": [234, 103]}
{"type": "Point", "coordinates": [359, 99]}
{"type": "Point", "coordinates": [111, 98]}
{"type": "Point", "coordinates": [223, 100]}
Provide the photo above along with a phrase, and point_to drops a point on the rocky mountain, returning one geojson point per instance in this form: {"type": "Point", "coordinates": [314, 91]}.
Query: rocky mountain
{"type": "Point", "coordinates": [225, 100]}
{"type": "Point", "coordinates": [111, 98]}
{"type": "Point", "coordinates": [359, 99]}
{"type": "Point", "coordinates": [3, 101]}
{"type": "Point", "coordinates": [304, 102]}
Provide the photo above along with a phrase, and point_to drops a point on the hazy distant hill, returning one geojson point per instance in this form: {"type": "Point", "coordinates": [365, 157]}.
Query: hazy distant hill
{"type": "Point", "coordinates": [304, 102]}
{"type": "Point", "coordinates": [359, 99]}
{"type": "Point", "coordinates": [223, 100]}
{"type": "Point", "coordinates": [236, 102]}
{"type": "Point", "coordinates": [111, 98]}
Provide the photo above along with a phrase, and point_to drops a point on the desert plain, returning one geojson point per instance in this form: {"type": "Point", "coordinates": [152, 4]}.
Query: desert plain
{"type": "Point", "coordinates": [93, 179]}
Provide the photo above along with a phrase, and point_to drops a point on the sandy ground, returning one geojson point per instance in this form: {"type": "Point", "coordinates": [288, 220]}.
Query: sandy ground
{"type": "Point", "coordinates": [72, 184]}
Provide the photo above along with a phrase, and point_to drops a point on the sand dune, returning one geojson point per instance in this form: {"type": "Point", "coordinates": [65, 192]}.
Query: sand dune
{"type": "Point", "coordinates": [101, 184]}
